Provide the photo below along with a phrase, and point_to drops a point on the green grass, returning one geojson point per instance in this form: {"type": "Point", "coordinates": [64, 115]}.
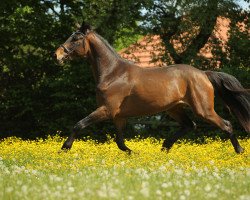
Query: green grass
{"type": "Point", "coordinates": [35, 170]}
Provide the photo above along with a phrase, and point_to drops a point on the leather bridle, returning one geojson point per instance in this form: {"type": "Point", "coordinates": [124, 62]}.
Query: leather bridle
{"type": "Point", "coordinates": [69, 51]}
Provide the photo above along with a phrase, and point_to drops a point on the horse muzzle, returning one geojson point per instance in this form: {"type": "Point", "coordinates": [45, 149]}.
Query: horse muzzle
{"type": "Point", "coordinates": [60, 57]}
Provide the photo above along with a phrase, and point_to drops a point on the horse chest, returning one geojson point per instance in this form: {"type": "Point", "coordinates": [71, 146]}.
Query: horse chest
{"type": "Point", "coordinates": [112, 95]}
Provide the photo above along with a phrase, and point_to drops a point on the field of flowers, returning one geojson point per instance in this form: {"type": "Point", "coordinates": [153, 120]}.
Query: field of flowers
{"type": "Point", "coordinates": [37, 170]}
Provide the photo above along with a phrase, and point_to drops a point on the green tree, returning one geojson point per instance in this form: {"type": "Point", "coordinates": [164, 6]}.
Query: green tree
{"type": "Point", "coordinates": [37, 96]}
{"type": "Point", "coordinates": [190, 22]}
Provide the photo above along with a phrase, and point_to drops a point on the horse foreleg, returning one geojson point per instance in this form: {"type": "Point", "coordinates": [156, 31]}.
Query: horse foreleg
{"type": "Point", "coordinates": [99, 114]}
{"type": "Point", "coordinates": [178, 114]}
{"type": "Point", "coordinates": [120, 124]}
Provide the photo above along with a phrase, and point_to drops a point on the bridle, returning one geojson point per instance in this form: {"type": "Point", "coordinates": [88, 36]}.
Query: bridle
{"type": "Point", "coordinates": [69, 51]}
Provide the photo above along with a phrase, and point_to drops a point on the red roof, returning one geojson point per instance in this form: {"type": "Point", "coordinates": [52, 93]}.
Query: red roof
{"type": "Point", "coordinates": [147, 52]}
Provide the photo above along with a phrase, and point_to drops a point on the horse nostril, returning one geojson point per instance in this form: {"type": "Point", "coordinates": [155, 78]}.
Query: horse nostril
{"type": "Point", "coordinates": [54, 56]}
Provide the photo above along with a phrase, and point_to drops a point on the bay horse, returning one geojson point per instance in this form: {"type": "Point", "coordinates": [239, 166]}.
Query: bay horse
{"type": "Point", "coordinates": [124, 90]}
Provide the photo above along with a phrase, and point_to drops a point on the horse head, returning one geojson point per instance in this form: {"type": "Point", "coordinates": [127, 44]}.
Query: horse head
{"type": "Point", "coordinates": [75, 46]}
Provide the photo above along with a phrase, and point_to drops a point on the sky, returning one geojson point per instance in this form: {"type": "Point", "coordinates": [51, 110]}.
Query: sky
{"type": "Point", "coordinates": [243, 4]}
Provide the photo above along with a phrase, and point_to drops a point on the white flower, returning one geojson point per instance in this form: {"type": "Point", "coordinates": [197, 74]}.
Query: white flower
{"type": "Point", "coordinates": [145, 190]}
{"type": "Point", "coordinates": [162, 168]}
{"type": "Point", "coordinates": [211, 162]}
{"type": "Point", "coordinates": [130, 198]}
{"type": "Point", "coordinates": [216, 175]}
{"type": "Point", "coordinates": [34, 172]}
{"type": "Point", "coordinates": [24, 189]}
{"type": "Point", "coordinates": [122, 163]}
{"type": "Point", "coordinates": [168, 194]}
{"type": "Point", "coordinates": [171, 161]}
{"type": "Point", "coordinates": [19, 182]}
{"type": "Point", "coordinates": [187, 192]}
{"type": "Point", "coordinates": [208, 188]}
{"type": "Point", "coordinates": [69, 183]}
{"type": "Point", "coordinates": [58, 187]}
{"type": "Point", "coordinates": [186, 183]}
{"type": "Point", "coordinates": [9, 189]}
{"type": "Point", "coordinates": [158, 192]}
{"type": "Point", "coordinates": [102, 192]}
{"type": "Point", "coordinates": [164, 185]}
{"type": "Point", "coordinates": [244, 197]}
{"type": "Point", "coordinates": [179, 172]}
{"type": "Point", "coordinates": [71, 189]}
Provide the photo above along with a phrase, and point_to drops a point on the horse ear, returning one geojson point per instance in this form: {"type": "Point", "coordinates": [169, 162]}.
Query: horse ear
{"type": "Point", "coordinates": [85, 28]}
{"type": "Point", "coordinates": [77, 26]}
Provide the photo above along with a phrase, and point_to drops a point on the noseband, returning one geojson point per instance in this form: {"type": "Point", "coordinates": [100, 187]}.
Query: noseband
{"type": "Point", "coordinates": [69, 51]}
{"type": "Point", "coordinates": [66, 50]}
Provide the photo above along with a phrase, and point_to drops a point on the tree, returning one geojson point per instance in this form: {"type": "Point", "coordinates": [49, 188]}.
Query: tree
{"type": "Point", "coordinates": [189, 22]}
{"type": "Point", "coordinates": [239, 44]}
{"type": "Point", "coordinates": [37, 96]}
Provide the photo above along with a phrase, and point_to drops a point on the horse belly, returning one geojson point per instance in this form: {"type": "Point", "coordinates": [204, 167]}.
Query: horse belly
{"type": "Point", "coordinates": [152, 93]}
{"type": "Point", "coordinates": [135, 105]}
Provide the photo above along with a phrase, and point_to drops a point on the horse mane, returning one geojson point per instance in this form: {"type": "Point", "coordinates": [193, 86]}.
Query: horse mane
{"type": "Point", "coordinates": [105, 42]}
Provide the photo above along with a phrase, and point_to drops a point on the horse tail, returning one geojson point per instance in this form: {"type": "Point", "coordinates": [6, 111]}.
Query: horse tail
{"type": "Point", "coordinates": [232, 93]}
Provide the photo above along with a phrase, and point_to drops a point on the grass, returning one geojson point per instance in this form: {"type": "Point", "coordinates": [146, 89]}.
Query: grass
{"type": "Point", "coordinates": [36, 170]}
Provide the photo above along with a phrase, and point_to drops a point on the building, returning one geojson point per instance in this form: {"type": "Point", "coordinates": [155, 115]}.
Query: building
{"type": "Point", "coordinates": [147, 52]}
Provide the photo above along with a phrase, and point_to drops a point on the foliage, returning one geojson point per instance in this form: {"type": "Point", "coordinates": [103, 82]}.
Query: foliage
{"type": "Point", "coordinates": [35, 170]}
{"type": "Point", "coordinates": [191, 24]}
{"type": "Point", "coordinates": [38, 97]}
{"type": "Point", "coordinates": [239, 43]}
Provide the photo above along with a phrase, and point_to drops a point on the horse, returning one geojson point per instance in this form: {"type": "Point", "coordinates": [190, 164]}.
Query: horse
{"type": "Point", "coordinates": [125, 90]}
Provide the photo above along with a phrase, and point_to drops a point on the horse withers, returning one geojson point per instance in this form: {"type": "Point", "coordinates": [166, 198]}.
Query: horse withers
{"type": "Point", "coordinates": [125, 90]}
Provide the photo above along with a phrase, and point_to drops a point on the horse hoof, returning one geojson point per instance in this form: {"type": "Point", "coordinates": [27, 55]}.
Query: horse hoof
{"type": "Point", "coordinates": [240, 150]}
{"type": "Point", "coordinates": [66, 146]}
{"type": "Point", "coordinates": [164, 149]}
{"type": "Point", "coordinates": [63, 151]}
{"type": "Point", "coordinates": [133, 153]}
{"type": "Point", "coordinates": [129, 152]}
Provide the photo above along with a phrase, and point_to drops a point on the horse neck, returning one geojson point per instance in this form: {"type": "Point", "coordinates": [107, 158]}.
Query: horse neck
{"type": "Point", "coordinates": [102, 57]}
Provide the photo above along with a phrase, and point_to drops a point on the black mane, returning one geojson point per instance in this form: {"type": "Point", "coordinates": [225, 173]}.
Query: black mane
{"type": "Point", "coordinates": [105, 42]}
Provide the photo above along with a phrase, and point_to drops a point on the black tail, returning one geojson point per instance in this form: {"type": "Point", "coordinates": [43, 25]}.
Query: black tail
{"type": "Point", "coordinates": [233, 95]}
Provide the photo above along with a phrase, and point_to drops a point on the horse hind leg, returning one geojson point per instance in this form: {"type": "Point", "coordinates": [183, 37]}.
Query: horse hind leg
{"type": "Point", "coordinates": [227, 128]}
{"type": "Point", "coordinates": [201, 100]}
{"type": "Point", "coordinates": [233, 139]}
{"type": "Point", "coordinates": [212, 117]}
{"type": "Point", "coordinates": [178, 114]}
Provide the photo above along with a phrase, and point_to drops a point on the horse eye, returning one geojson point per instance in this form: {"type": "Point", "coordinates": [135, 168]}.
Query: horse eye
{"type": "Point", "coordinates": [75, 38]}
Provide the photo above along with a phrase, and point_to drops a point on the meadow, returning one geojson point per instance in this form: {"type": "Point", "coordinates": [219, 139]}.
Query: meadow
{"type": "Point", "coordinates": [92, 170]}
